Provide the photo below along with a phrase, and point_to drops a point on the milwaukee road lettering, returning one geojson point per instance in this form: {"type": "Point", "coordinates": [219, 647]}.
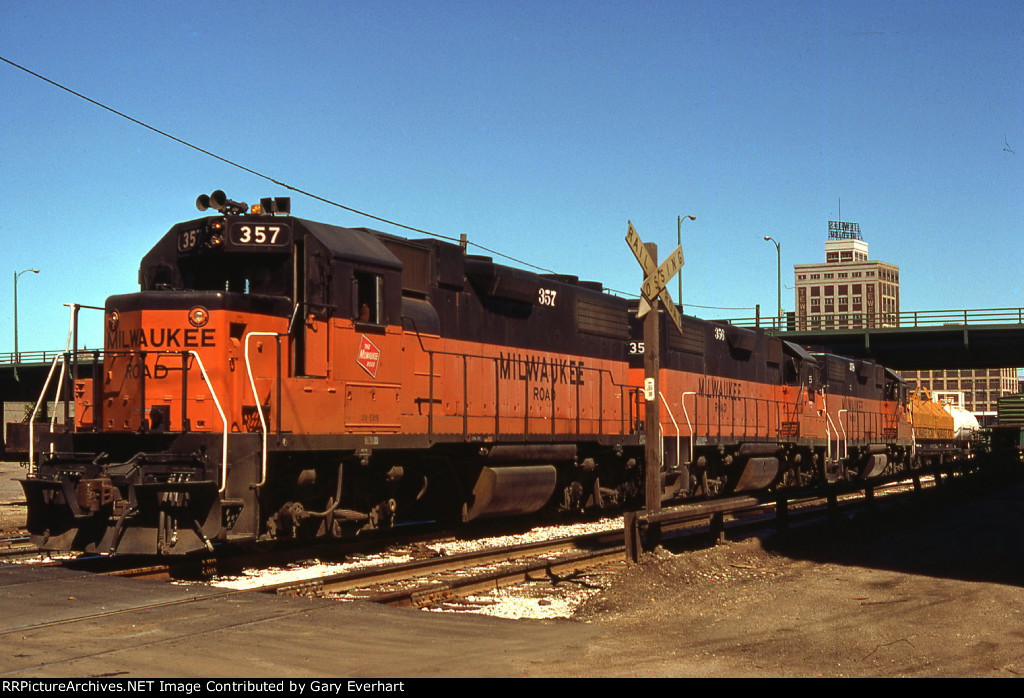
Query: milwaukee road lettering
{"type": "Point", "coordinates": [162, 338]}
{"type": "Point", "coordinates": [720, 388]}
{"type": "Point", "coordinates": [539, 369]}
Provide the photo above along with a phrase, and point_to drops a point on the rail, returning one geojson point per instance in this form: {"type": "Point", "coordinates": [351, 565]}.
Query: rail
{"type": "Point", "coordinates": [837, 321]}
{"type": "Point", "coordinates": [264, 429]}
{"type": "Point", "coordinates": [45, 357]}
{"type": "Point", "coordinates": [485, 404]}
{"type": "Point", "coordinates": [65, 359]}
{"type": "Point", "coordinates": [35, 411]}
{"type": "Point", "coordinates": [739, 417]}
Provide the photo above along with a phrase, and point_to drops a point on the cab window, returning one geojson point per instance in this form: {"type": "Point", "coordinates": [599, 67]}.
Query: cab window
{"type": "Point", "coordinates": [368, 298]}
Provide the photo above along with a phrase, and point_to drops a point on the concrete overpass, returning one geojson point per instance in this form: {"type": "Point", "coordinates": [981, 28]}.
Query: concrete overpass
{"type": "Point", "coordinates": [919, 340]}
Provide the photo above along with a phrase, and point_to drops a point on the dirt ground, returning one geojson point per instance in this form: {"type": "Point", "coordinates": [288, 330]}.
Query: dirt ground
{"type": "Point", "coordinates": [932, 588]}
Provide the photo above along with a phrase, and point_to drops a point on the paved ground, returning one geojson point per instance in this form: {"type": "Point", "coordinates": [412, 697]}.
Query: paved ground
{"type": "Point", "coordinates": [12, 510]}
{"type": "Point", "coordinates": [933, 589]}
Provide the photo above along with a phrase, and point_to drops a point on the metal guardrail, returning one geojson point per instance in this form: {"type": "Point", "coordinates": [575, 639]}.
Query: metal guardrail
{"type": "Point", "coordinates": [890, 320]}
{"type": "Point", "coordinates": [45, 358]}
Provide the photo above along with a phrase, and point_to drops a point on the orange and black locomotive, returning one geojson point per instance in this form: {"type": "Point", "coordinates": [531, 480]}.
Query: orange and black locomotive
{"type": "Point", "coordinates": [279, 378]}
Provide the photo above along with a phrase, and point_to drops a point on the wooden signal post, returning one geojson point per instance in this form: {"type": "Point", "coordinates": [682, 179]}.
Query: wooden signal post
{"type": "Point", "coordinates": [653, 296]}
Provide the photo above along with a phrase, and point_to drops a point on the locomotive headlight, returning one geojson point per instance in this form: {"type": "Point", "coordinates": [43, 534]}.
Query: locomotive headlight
{"type": "Point", "coordinates": [215, 237]}
{"type": "Point", "coordinates": [198, 316]}
{"type": "Point", "coordinates": [113, 320]}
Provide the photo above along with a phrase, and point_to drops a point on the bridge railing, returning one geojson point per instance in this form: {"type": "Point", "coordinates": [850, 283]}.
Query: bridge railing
{"type": "Point", "coordinates": [914, 318]}
{"type": "Point", "coordinates": [45, 357]}
{"type": "Point", "coordinates": [814, 321]}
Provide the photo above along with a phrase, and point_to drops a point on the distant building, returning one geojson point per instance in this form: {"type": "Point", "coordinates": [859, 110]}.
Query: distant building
{"type": "Point", "coordinates": [846, 291]}
{"type": "Point", "coordinates": [979, 389]}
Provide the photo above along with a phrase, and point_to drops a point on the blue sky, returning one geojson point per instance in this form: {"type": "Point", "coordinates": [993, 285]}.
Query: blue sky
{"type": "Point", "coordinates": [536, 128]}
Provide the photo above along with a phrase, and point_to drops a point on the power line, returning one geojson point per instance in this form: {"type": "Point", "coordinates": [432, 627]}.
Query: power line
{"type": "Point", "coordinates": [262, 175]}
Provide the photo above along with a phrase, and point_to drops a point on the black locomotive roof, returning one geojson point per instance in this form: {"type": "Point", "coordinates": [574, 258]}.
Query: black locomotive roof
{"type": "Point", "coordinates": [358, 245]}
{"type": "Point", "coordinates": [354, 244]}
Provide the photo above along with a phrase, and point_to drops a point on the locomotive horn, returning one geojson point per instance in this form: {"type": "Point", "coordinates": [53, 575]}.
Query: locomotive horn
{"type": "Point", "coordinates": [219, 200]}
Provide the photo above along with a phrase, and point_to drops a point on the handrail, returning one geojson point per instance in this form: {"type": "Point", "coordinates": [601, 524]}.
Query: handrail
{"type": "Point", "coordinates": [60, 388]}
{"type": "Point", "coordinates": [830, 426]}
{"type": "Point", "coordinates": [844, 452]}
{"type": "Point", "coordinates": [604, 375]}
{"type": "Point", "coordinates": [62, 357]}
{"type": "Point", "coordinates": [675, 424]}
{"type": "Point", "coordinates": [682, 401]}
{"type": "Point", "coordinates": [223, 419]}
{"type": "Point", "coordinates": [35, 411]}
{"type": "Point", "coordinates": [259, 403]}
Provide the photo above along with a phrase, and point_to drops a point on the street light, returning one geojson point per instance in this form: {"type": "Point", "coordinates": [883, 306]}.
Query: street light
{"type": "Point", "coordinates": [679, 242]}
{"type": "Point", "coordinates": [778, 253]}
{"type": "Point", "coordinates": [16, 355]}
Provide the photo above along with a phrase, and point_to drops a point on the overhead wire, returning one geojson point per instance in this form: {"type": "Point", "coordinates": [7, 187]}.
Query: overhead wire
{"type": "Point", "coordinates": [298, 190]}
{"type": "Point", "coordinates": [262, 175]}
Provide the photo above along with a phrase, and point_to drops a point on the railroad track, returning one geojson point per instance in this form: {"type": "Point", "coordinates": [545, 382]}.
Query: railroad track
{"type": "Point", "coordinates": [443, 582]}
{"type": "Point", "coordinates": [439, 578]}
{"type": "Point", "coordinates": [426, 582]}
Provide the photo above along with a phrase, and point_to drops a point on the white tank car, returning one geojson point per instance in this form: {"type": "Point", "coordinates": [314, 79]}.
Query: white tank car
{"type": "Point", "coordinates": [965, 424]}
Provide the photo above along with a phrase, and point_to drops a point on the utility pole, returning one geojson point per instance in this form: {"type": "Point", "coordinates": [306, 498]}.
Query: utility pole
{"type": "Point", "coordinates": [679, 243]}
{"type": "Point", "coordinates": [17, 357]}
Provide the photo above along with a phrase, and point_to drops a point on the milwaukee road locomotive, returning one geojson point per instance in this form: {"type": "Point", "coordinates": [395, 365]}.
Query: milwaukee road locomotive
{"type": "Point", "coordinates": [278, 378]}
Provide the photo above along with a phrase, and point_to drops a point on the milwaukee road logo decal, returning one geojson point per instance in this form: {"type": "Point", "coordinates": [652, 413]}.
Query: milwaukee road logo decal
{"type": "Point", "coordinates": [369, 356]}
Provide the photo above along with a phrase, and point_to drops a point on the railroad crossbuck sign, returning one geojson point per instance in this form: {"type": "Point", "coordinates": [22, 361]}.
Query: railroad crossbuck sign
{"type": "Point", "coordinates": [655, 277]}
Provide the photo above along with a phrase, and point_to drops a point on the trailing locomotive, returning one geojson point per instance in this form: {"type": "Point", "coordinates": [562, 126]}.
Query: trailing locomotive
{"type": "Point", "coordinates": [278, 378]}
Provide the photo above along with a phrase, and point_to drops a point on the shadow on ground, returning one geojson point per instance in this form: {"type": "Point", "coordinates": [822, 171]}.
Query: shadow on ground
{"type": "Point", "coordinates": [971, 529]}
